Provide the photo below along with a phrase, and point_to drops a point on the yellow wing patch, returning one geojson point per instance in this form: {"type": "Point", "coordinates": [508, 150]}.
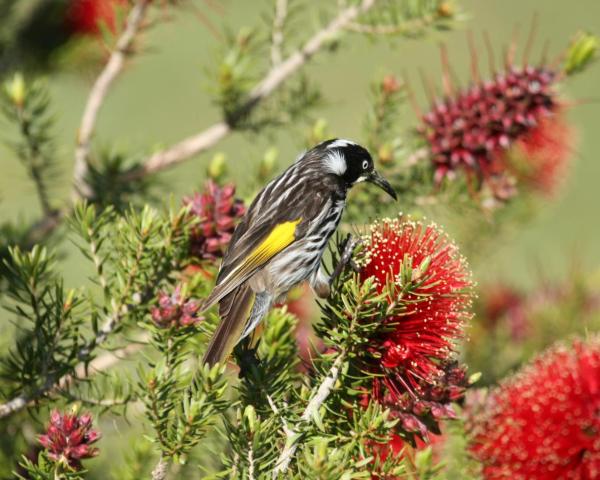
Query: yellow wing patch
{"type": "Point", "coordinates": [280, 237]}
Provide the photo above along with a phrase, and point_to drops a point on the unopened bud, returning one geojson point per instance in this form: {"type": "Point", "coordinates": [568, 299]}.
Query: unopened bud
{"type": "Point", "coordinates": [445, 9]}
{"type": "Point", "coordinates": [581, 53]}
{"type": "Point", "coordinates": [217, 166]}
{"type": "Point", "coordinates": [69, 300]}
{"type": "Point", "coordinates": [15, 89]}
{"type": "Point", "coordinates": [390, 84]}
{"type": "Point", "coordinates": [250, 417]}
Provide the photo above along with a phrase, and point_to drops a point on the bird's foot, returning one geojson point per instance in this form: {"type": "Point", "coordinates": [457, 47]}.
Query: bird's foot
{"type": "Point", "coordinates": [349, 243]}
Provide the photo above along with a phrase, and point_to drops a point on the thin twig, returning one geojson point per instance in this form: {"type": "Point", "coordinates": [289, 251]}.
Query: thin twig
{"type": "Point", "coordinates": [200, 142]}
{"type": "Point", "coordinates": [42, 191]}
{"type": "Point", "coordinates": [278, 414]}
{"type": "Point", "coordinates": [105, 361]}
{"type": "Point", "coordinates": [277, 35]}
{"type": "Point", "coordinates": [191, 146]}
{"type": "Point", "coordinates": [98, 94]}
{"type": "Point", "coordinates": [311, 409]}
{"type": "Point", "coordinates": [160, 470]}
{"type": "Point", "coordinates": [250, 461]}
{"type": "Point", "coordinates": [120, 309]}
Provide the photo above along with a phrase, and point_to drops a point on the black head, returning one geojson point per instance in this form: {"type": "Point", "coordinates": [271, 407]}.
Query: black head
{"type": "Point", "coordinates": [353, 163]}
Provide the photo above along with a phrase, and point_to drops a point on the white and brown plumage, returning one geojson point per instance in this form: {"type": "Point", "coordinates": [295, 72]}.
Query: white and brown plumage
{"type": "Point", "coordinates": [281, 239]}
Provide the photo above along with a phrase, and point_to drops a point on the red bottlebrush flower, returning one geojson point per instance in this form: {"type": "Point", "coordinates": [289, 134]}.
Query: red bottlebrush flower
{"type": "Point", "coordinates": [85, 16]}
{"type": "Point", "coordinates": [540, 158]}
{"type": "Point", "coordinates": [68, 438]}
{"type": "Point", "coordinates": [411, 356]}
{"type": "Point", "coordinates": [544, 423]}
{"type": "Point", "coordinates": [475, 129]}
{"type": "Point", "coordinates": [218, 212]}
{"type": "Point", "coordinates": [413, 344]}
{"type": "Point", "coordinates": [175, 310]}
{"type": "Point", "coordinates": [398, 448]}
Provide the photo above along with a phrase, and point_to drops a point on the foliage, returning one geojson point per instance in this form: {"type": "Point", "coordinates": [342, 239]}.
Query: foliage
{"type": "Point", "coordinates": [379, 390]}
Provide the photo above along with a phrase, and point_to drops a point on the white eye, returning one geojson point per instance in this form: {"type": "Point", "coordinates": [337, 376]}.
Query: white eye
{"type": "Point", "coordinates": [365, 164]}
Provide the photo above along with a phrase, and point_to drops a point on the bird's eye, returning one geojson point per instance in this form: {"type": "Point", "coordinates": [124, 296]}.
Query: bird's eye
{"type": "Point", "coordinates": [365, 164]}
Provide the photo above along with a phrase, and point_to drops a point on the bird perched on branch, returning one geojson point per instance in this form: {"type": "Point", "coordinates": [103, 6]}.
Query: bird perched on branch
{"type": "Point", "coordinates": [281, 239]}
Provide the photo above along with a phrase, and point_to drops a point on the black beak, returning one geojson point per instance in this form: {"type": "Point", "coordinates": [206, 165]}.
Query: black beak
{"type": "Point", "coordinates": [382, 183]}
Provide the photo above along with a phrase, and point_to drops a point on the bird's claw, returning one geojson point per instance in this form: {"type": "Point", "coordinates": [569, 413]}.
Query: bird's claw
{"type": "Point", "coordinates": [346, 258]}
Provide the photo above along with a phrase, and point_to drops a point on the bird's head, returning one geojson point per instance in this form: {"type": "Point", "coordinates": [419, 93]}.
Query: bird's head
{"type": "Point", "coordinates": [353, 163]}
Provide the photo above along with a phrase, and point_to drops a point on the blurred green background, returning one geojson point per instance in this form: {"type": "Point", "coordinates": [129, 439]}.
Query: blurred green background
{"type": "Point", "coordinates": [162, 96]}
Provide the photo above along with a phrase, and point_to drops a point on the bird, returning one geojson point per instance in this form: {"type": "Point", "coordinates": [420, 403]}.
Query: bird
{"type": "Point", "coordinates": [280, 240]}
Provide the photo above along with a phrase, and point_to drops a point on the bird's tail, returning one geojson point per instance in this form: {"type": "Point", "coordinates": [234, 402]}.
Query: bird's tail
{"type": "Point", "coordinates": [234, 310]}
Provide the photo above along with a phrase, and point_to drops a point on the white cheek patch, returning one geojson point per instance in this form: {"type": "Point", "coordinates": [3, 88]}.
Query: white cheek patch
{"type": "Point", "coordinates": [340, 143]}
{"type": "Point", "coordinates": [362, 178]}
{"type": "Point", "coordinates": [335, 163]}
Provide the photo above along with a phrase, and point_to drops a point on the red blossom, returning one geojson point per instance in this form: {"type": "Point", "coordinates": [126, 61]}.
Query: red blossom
{"type": "Point", "coordinates": [85, 16]}
{"type": "Point", "coordinates": [175, 310]}
{"type": "Point", "coordinates": [544, 423]}
{"type": "Point", "coordinates": [411, 356]}
{"type": "Point", "coordinates": [477, 129]}
{"type": "Point", "coordinates": [68, 438]}
{"type": "Point", "coordinates": [436, 304]}
{"type": "Point", "coordinates": [398, 448]}
{"type": "Point", "coordinates": [218, 212]}
{"type": "Point", "coordinates": [541, 156]}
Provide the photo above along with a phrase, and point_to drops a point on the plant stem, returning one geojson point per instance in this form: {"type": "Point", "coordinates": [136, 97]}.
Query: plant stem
{"type": "Point", "coordinates": [160, 470]}
{"type": "Point", "coordinates": [277, 35]}
{"type": "Point", "coordinates": [276, 76]}
{"type": "Point", "coordinates": [311, 409]}
{"type": "Point", "coordinates": [98, 94]}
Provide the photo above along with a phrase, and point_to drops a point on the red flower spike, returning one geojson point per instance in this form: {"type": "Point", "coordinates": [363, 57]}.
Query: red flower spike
{"type": "Point", "coordinates": [85, 16]}
{"type": "Point", "coordinates": [476, 129]}
{"type": "Point", "coordinates": [436, 306]}
{"type": "Point", "coordinates": [544, 423]}
{"type": "Point", "coordinates": [68, 438]}
{"type": "Point", "coordinates": [411, 358]}
{"type": "Point", "coordinates": [541, 156]}
{"type": "Point", "coordinates": [175, 310]}
{"type": "Point", "coordinates": [218, 212]}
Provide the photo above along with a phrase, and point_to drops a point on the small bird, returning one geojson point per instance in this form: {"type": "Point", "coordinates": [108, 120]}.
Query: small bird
{"type": "Point", "coordinates": [280, 240]}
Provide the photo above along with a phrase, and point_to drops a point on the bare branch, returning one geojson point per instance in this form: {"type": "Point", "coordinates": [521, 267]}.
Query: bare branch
{"type": "Point", "coordinates": [277, 35]}
{"type": "Point", "coordinates": [99, 364]}
{"type": "Point", "coordinates": [105, 361]}
{"type": "Point", "coordinates": [195, 144]}
{"type": "Point", "coordinates": [311, 409]}
{"type": "Point", "coordinates": [200, 142]}
{"type": "Point", "coordinates": [98, 94]}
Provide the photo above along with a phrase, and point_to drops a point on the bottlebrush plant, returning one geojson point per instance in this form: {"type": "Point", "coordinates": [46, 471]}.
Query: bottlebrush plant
{"type": "Point", "coordinates": [90, 16]}
{"type": "Point", "coordinates": [543, 422]}
{"type": "Point", "coordinates": [100, 374]}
